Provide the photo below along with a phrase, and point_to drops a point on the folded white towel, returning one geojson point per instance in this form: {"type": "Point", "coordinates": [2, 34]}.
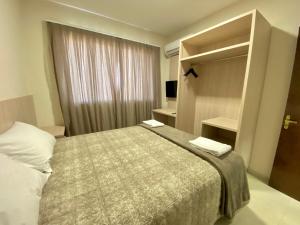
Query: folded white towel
{"type": "Point", "coordinates": [210, 146]}
{"type": "Point", "coordinates": [153, 123]}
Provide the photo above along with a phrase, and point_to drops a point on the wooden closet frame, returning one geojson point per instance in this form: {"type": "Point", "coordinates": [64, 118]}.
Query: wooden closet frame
{"type": "Point", "coordinates": [223, 102]}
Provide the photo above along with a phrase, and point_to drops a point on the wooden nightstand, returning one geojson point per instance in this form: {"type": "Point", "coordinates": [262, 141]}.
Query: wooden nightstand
{"type": "Point", "coordinates": [56, 131]}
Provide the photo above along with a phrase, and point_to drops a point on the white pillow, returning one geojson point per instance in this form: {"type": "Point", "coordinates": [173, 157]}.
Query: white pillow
{"type": "Point", "coordinates": [21, 189]}
{"type": "Point", "coordinates": [28, 144]}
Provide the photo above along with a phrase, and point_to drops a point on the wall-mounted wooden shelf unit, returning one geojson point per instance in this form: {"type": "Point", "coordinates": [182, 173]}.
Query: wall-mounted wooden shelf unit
{"type": "Point", "coordinates": [224, 89]}
{"type": "Point", "coordinates": [223, 123]}
{"type": "Point", "coordinates": [219, 54]}
{"type": "Point", "coordinates": [228, 33]}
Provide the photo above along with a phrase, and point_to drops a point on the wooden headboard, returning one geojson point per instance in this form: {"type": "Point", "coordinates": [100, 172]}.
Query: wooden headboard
{"type": "Point", "coordinates": [17, 109]}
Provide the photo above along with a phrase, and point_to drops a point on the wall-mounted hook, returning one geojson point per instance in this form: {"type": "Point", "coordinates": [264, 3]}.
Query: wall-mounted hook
{"type": "Point", "coordinates": [191, 71]}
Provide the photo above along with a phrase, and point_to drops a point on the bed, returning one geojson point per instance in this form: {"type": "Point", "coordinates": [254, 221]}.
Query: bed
{"type": "Point", "coordinates": [140, 176]}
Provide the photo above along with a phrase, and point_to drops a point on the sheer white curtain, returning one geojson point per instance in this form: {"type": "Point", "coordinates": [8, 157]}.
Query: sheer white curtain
{"type": "Point", "coordinates": [104, 82]}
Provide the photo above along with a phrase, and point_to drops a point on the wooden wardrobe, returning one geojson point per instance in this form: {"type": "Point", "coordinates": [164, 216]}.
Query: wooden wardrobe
{"type": "Point", "coordinates": [223, 102]}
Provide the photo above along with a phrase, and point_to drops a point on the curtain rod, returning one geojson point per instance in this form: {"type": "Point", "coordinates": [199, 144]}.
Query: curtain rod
{"type": "Point", "coordinates": [95, 31]}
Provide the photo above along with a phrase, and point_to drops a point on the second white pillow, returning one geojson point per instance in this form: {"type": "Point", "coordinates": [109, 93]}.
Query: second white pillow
{"type": "Point", "coordinates": [29, 145]}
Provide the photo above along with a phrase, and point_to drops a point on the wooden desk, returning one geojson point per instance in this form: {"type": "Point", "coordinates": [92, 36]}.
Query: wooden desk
{"type": "Point", "coordinates": [166, 116]}
{"type": "Point", "coordinates": [220, 129]}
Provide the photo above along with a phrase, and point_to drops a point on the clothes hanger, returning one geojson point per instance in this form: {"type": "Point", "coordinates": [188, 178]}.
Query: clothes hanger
{"type": "Point", "coordinates": [191, 71]}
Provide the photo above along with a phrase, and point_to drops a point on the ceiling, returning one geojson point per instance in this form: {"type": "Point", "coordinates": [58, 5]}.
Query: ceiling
{"type": "Point", "coordinates": [161, 16]}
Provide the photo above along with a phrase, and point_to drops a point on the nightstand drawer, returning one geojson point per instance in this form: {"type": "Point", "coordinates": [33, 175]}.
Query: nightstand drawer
{"type": "Point", "coordinates": [56, 131]}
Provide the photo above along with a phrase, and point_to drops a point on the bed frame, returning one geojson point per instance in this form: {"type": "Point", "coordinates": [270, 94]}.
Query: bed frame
{"type": "Point", "coordinates": [17, 109]}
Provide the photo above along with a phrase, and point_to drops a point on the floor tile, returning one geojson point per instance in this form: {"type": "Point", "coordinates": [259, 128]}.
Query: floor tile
{"type": "Point", "coordinates": [266, 207]}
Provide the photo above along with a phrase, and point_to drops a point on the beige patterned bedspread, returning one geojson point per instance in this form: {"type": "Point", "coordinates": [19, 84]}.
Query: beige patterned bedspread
{"type": "Point", "coordinates": [128, 176]}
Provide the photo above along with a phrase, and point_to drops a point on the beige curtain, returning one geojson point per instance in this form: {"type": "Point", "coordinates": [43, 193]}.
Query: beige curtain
{"type": "Point", "coordinates": [104, 82]}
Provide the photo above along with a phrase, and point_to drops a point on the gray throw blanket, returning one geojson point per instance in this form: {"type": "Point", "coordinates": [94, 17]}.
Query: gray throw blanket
{"type": "Point", "coordinates": [234, 191]}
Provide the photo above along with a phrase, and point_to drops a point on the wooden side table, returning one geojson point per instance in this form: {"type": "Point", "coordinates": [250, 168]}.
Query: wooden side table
{"type": "Point", "coordinates": [166, 116]}
{"type": "Point", "coordinates": [56, 131]}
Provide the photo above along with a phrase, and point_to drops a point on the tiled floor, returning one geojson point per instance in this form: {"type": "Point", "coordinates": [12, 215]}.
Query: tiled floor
{"type": "Point", "coordinates": [267, 207]}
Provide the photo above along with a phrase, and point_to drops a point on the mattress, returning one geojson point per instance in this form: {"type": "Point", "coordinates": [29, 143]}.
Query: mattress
{"type": "Point", "coordinates": [128, 176]}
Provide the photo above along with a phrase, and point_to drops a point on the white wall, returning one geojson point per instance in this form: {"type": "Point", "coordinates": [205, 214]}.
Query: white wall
{"type": "Point", "coordinates": [11, 77]}
{"type": "Point", "coordinates": [284, 16]}
{"type": "Point", "coordinates": [39, 75]}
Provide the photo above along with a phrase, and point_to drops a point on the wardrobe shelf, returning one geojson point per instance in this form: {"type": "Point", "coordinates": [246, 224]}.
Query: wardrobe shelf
{"type": "Point", "coordinates": [219, 54]}
{"type": "Point", "coordinates": [223, 123]}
